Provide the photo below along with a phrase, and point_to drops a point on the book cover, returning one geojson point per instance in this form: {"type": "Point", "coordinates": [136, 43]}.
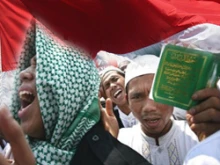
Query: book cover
{"type": "Point", "coordinates": [181, 72]}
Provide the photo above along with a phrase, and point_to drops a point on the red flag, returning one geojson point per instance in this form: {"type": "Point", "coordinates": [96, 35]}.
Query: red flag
{"type": "Point", "coordinates": [117, 26]}
{"type": "Point", "coordinates": [14, 20]}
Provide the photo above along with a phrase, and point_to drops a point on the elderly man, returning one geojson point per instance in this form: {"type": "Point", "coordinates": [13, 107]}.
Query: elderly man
{"type": "Point", "coordinates": [158, 138]}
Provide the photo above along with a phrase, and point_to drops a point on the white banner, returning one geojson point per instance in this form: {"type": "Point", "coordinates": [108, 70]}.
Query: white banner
{"type": "Point", "coordinates": [6, 83]}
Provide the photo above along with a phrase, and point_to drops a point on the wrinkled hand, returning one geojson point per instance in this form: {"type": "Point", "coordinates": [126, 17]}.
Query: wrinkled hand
{"type": "Point", "coordinates": [14, 135]}
{"type": "Point", "coordinates": [204, 118]}
{"type": "Point", "coordinates": [109, 120]}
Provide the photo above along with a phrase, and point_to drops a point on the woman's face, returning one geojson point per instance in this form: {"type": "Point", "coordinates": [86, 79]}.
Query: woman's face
{"type": "Point", "coordinates": [29, 114]}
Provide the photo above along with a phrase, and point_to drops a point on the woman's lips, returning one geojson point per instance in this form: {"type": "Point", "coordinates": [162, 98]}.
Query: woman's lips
{"type": "Point", "coordinates": [26, 99]}
{"type": "Point", "coordinates": [22, 113]}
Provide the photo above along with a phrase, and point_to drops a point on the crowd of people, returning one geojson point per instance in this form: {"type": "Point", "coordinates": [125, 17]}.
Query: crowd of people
{"type": "Point", "coordinates": [56, 117]}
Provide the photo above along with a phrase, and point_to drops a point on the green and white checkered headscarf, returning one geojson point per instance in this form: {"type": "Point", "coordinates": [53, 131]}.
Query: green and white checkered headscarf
{"type": "Point", "coordinates": [67, 84]}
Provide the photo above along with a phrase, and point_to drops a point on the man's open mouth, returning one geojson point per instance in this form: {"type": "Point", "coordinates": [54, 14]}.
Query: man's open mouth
{"type": "Point", "coordinates": [117, 93]}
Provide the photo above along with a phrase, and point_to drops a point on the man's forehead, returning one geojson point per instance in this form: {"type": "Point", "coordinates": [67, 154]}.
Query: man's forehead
{"type": "Point", "coordinates": [134, 83]}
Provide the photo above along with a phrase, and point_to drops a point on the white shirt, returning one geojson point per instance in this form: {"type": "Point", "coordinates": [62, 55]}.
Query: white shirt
{"type": "Point", "coordinates": [206, 152]}
{"type": "Point", "coordinates": [127, 120]}
{"type": "Point", "coordinates": [179, 114]}
{"type": "Point", "coordinates": [172, 148]}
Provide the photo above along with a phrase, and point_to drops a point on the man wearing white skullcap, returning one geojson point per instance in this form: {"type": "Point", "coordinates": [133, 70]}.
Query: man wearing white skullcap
{"type": "Point", "coordinates": [141, 67]}
{"type": "Point", "coordinates": [158, 138]}
{"type": "Point", "coordinates": [112, 83]}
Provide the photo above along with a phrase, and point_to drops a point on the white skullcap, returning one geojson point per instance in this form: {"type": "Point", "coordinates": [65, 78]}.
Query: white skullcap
{"type": "Point", "coordinates": [146, 64]}
{"type": "Point", "coordinates": [108, 69]}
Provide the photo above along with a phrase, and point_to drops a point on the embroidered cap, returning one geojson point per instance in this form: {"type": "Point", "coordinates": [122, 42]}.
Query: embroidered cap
{"type": "Point", "coordinates": [108, 69]}
{"type": "Point", "coordinates": [141, 65]}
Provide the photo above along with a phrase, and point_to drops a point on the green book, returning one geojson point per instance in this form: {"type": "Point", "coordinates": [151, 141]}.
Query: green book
{"type": "Point", "coordinates": [183, 71]}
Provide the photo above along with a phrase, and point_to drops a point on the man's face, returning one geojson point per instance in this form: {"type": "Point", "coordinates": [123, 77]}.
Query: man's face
{"type": "Point", "coordinates": [154, 117]}
{"type": "Point", "coordinates": [113, 85]}
{"type": "Point", "coordinates": [29, 114]}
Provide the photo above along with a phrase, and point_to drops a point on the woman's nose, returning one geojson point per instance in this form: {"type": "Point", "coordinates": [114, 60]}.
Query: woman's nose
{"type": "Point", "coordinates": [26, 75]}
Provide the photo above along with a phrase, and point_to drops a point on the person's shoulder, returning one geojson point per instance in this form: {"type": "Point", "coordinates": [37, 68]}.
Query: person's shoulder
{"type": "Point", "coordinates": [179, 114]}
{"type": "Point", "coordinates": [183, 128]}
{"type": "Point", "coordinates": [210, 146]}
{"type": "Point", "coordinates": [129, 130]}
{"type": "Point", "coordinates": [180, 122]}
{"type": "Point", "coordinates": [126, 135]}
{"type": "Point", "coordinates": [96, 140]}
{"type": "Point", "coordinates": [205, 152]}
{"type": "Point", "coordinates": [182, 125]}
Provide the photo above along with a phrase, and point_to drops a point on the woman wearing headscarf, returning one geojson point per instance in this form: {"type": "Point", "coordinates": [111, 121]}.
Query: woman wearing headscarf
{"type": "Point", "coordinates": [57, 105]}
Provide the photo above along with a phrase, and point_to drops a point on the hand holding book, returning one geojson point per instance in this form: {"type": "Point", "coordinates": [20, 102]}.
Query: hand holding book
{"type": "Point", "coordinates": [183, 71]}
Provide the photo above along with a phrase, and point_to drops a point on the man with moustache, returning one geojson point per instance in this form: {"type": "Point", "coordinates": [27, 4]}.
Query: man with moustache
{"type": "Point", "coordinates": [158, 138]}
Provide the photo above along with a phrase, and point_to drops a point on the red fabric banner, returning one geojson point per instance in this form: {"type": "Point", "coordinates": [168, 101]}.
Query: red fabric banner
{"type": "Point", "coordinates": [14, 20]}
{"type": "Point", "coordinates": [117, 26]}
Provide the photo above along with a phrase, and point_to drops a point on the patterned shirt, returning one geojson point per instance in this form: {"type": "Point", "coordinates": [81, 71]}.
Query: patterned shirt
{"type": "Point", "coordinates": [172, 147]}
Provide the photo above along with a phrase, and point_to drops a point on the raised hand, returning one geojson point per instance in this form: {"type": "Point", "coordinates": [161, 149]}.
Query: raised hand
{"type": "Point", "coordinates": [109, 120]}
{"type": "Point", "coordinates": [13, 133]}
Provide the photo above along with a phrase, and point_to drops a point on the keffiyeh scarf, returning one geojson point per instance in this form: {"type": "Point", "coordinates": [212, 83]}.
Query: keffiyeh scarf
{"type": "Point", "coordinates": [67, 84]}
